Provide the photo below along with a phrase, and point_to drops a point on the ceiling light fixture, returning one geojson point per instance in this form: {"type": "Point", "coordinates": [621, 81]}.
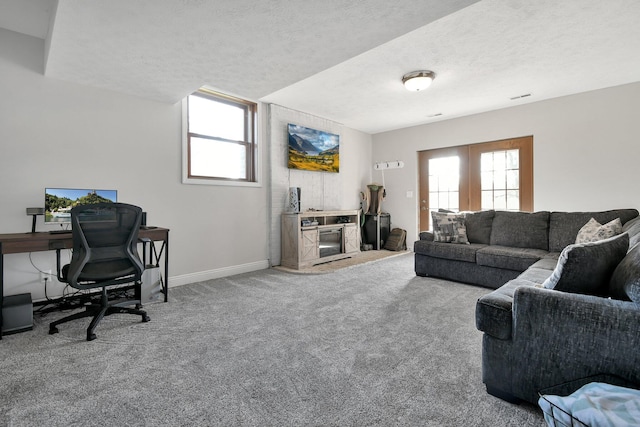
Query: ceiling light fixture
{"type": "Point", "coordinates": [416, 81]}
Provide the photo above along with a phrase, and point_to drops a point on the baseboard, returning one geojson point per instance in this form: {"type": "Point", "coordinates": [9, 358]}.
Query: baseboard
{"type": "Point", "coordinates": [202, 276]}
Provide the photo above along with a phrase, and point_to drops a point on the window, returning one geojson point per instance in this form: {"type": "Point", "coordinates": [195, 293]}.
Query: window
{"type": "Point", "coordinates": [220, 141]}
{"type": "Point", "coordinates": [501, 175]}
{"type": "Point", "coordinates": [499, 180]}
{"type": "Point", "coordinates": [444, 180]}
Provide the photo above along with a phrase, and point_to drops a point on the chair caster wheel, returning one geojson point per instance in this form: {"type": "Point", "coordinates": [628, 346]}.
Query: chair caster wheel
{"type": "Point", "coordinates": [146, 318]}
{"type": "Point", "coordinates": [53, 330]}
{"type": "Point", "coordinates": [91, 337]}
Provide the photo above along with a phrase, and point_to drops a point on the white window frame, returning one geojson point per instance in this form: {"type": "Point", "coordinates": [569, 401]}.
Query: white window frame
{"type": "Point", "coordinates": [186, 179]}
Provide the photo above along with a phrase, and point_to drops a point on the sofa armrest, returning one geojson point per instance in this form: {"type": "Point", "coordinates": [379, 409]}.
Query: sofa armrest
{"type": "Point", "coordinates": [546, 309]}
{"type": "Point", "coordinates": [426, 235]}
{"type": "Point", "coordinates": [563, 336]}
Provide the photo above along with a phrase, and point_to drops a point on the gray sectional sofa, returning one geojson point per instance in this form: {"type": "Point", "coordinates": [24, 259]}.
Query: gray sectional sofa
{"type": "Point", "coordinates": [561, 313]}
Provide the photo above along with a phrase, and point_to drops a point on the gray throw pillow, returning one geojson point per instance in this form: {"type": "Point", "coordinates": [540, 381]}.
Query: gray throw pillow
{"type": "Point", "coordinates": [586, 268]}
{"type": "Point", "coordinates": [625, 281]}
{"type": "Point", "coordinates": [449, 228]}
{"type": "Point", "coordinates": [521, 229]}
{"type": "Point", "coordinates": [633, 228]}
{"type": "Point", "coordinates": [479, 226]}
{"type": "Point", "coordinates": [593, 231]}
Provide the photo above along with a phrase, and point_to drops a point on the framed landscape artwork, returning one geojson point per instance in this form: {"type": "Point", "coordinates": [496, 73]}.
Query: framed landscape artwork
{"type": "Point", "coordinates": [313, 150]}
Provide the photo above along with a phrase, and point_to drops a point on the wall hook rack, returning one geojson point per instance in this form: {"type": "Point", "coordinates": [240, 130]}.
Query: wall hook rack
{"type": "Point", "coordinates": [394, 164]}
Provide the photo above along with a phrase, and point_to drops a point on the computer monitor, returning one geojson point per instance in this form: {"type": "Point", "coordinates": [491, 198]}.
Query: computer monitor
{"type": "Point", "coordinates": [59, 201]}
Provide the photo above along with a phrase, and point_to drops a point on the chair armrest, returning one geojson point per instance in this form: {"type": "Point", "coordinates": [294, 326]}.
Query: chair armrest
{"type": "Point", "coordinates": [59, 268]}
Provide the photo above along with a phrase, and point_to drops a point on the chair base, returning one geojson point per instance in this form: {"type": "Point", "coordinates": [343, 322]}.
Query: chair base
{"type": "Point", "coordinates": [98, 312]}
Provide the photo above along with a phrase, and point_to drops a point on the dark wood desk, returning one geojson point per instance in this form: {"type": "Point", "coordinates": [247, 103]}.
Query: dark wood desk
{"type": "Point", "coordinates": [16, 243]}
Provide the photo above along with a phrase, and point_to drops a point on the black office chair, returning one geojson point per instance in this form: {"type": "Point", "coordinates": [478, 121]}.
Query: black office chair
{"type": "Point", "coordinates": [105, 254]}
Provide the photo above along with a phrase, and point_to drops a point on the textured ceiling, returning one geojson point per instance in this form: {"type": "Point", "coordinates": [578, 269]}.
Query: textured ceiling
{"type": "Point", "coordinates": [166, 49]}
{"type": "Point", "coordinates": [483, 56]}
{"type": "Point", "coordinates": [340, 59]}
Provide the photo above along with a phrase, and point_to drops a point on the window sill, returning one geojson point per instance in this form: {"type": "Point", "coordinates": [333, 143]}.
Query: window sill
{"type": "Point", "coordinates": [197, 181]}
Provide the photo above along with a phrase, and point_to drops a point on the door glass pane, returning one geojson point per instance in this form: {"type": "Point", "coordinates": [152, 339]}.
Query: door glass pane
{"type": "Point", "coordinates": [443, 199]}
{"type": "Point", "coordinates": [433, 199]}
{"type": "Point", "coordinates": [500, 199]}
{"type": "Point", "coordinates": [513, 159]}
{"type": "Point", "coordinates": [487, 199]}
{"type": "Point", "coordinates": [434, 184]}
{"type": "Point", "coordinates": [500, 172]}
{"type": "Point", "coordinates": [499, 179]}
{"type": "Point", "coordinates": [486, 181]}
{"type": "Point", "coordinates": [454, 200]}
{"type": "Point", "coordinates": [513, 179]}
{"type": "Point", "coordinates": [444, 180]}
{"type": "Point", "coordinates": [513, 200]}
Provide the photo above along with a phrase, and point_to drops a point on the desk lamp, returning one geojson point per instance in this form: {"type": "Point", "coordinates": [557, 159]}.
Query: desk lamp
{"type": "Point", "coordinates": [35, 212]}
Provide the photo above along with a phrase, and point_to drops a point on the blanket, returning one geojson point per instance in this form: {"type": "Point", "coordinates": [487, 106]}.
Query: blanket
{"type": "Point", "coordinates": [595, 404]}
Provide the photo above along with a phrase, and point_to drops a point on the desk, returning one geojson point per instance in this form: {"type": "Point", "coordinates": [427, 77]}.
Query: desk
{"type": "Point", "coordinates": [16, 243]}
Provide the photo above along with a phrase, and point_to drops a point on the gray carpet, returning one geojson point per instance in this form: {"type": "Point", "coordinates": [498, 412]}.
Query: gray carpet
{"type": "Point", "coordinates": [367, 345]}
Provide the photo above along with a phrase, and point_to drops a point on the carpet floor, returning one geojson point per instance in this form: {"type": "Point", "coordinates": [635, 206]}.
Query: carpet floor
{"type": "Point", "coordinates": [371, 345]}
{"type": "Point", "coordinates": [356, 259]}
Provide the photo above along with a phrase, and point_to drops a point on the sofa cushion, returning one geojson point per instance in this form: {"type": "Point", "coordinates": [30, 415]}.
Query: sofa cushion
{"type": "Point", "coordinates": [449, 227]}
{"type": "Point", "coordinates": [521, 229]}
{"type": "Point", "coordinates": [593, 231]}
{"type": "Point", "coordinates": [633, 229]}
{"type": "Point", "coordinates": [549, 262]}
{"type": "Point", "coordinates": [465, 253]}
{"type": "Point", "coordinates": [586, 268]}
{"type": "Point", "coordinates": [625, 281]}
{"type": "Point", "coordinates": [535, 276]}
{"type": "Point", "coordinates": [479, 226]}
{"type": "Point", "coordinates": [564, 226]}
{"type": "Point", "coordinates": [518, 259]}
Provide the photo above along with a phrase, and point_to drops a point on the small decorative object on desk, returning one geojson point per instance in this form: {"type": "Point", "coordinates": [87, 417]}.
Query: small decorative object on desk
{"type": "Point", "coordinates": [594, 404]}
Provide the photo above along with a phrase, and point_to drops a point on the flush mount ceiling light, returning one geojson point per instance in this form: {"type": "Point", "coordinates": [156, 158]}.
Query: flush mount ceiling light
{"type": "Point", "coordinates": [418, 80]}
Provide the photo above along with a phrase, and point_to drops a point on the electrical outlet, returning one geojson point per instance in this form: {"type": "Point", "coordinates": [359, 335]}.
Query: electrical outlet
{"type": "Point", "coordinates": [45, 276]}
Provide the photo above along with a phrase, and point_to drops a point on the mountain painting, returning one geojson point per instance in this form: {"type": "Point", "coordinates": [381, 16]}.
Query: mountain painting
{"type": "Point", "coordinates": [313, 150]}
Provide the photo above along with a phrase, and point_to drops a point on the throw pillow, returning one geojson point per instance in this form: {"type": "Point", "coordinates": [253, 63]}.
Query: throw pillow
{"type": "Point", "coordinates": [521, 229]}
{"type": "Point", "coordinates": [585, 268]}
{"type": "Point", "coordinates": [449, 228]}
{"type": "Point", "coordinates": [593, 231]}
{"type": "Point", "coordinates": [625, 282]}
{"type": "Point", "coordinates": [633, 228]}
{"type": "Point", "coordinates": [479, 225]}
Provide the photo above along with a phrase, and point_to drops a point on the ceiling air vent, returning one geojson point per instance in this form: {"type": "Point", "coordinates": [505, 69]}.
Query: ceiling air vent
{"type": "Point", "coordinates": [520, 96]}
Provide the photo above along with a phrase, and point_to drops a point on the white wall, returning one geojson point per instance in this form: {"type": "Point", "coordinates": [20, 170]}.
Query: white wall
{"type": "Point", "coordinates": [319, 190]}
{"type": "Point", "coordinates": [586, 151]}
{"type": "Point", "coordinates": [59, 134]}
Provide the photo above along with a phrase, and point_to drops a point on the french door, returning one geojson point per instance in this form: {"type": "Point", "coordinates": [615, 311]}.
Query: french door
{"type": "Point", "coordinates": [490, 175]}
